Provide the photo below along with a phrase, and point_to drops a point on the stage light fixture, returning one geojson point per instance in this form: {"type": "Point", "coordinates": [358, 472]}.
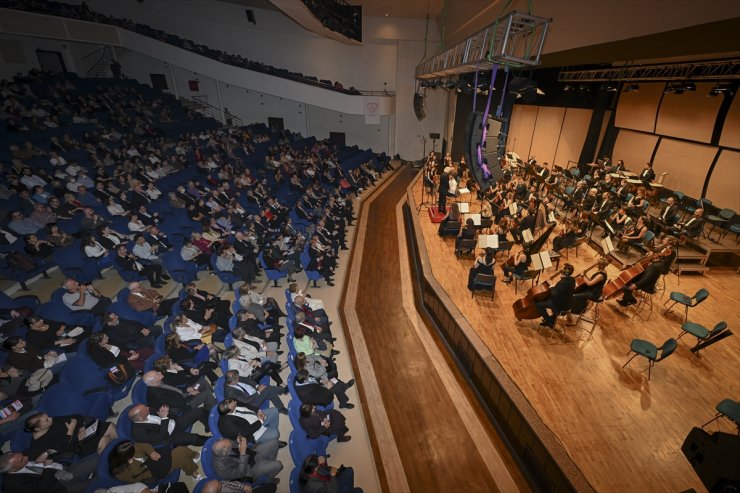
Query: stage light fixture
{"type": "Point", "coordinates": [632, 88]}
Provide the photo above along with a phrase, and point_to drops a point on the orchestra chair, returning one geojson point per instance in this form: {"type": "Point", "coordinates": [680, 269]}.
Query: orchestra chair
{"type": "Point", "coordinates": [561, 317]}
{"type": "Point", "coordinates": [644, 302]}
{"type": "Point", "coordinates": [700, 332]}
{"type": "Point", "coordinates": [578, 243]}
{"type": "Point", "coordinates": [722, 219]}
{"type": "Point", "coordinates": [648, 350]}
{"type": "Point", "coordinates": [484, 282]}
{"type": "Point", "coordinates": [686, 301]}
{"type": "Point", "coordinates": [529, 275]}
{"type": "Point", "coordinates": [452, 228]}
{"type": "Point", "coordinates": [727, 409]}
{"type": "Point", "coordinates": [467, 245]}
{"type": "Point", "coordinates": [593, 309]}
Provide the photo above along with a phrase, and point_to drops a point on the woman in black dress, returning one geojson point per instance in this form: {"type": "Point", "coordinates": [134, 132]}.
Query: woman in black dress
{"type": "Point", "coordinates": [66, 435]}
{"type": "Point", "coordinates": [483, 265]}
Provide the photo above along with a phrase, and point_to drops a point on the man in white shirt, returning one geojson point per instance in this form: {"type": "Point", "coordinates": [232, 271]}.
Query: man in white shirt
{"type": "Point", "coordinates": [146, 252]}
{"type": "Point", "coordinates": [161, 428]}
{"type": "Point", "coordinates": [21, 475]}
{"type": "Point", "coordinates": [257, 427]}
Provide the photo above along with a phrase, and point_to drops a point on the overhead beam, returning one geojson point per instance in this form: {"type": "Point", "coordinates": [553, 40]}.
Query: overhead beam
{"type": "Point", "coordinates": [695, 71]}
{"type": "Point", "coordinates": [514, 40]}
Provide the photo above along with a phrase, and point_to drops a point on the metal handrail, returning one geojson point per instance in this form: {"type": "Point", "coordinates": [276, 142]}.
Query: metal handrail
{"type": "Point", "coordinates": [215, 111]}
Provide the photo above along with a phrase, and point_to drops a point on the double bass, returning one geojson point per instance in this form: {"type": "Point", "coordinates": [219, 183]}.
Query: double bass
{"type": "Point", "coordinates": [615, 286]}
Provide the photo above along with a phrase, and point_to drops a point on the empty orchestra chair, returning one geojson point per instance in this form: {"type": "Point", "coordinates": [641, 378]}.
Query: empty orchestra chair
{"type": "Point", "coordinates": [649, 350]}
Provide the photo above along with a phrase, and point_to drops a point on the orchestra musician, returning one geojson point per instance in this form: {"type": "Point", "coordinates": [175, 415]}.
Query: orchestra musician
{"type": "Point", "coordinates": [594, 284]}
{"type": "Point", "coordinates": [483, 265]}
{"type": "Point", "coordinates": [644, 282]}
{"type": "Point", "coordinates": [443, 190]}
{"type": "Point", "coordinates": [693, 227]}
{"type": "Point", "coordinates": [647, 174]}
{"type": "Point", "coordinates": [521, 261]}
{"type": "Point", "coordinates": [566, 237]}
{"type": "Point", "coordinates": [633, 234]}
{"type": "Point", "coordinates": [560, 297]}
{"type": "Point", "coordinates": [668, 215]}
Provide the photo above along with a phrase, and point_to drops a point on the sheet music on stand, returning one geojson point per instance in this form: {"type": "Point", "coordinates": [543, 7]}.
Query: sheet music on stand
{"type": "Point", "coordinates": [474, 217]}
{"type": "Point", "coordinates": [541, 261]}
{"type": "Point", "coordinates": [527, 236]}
{"type": "Point", "coordinates": [512, 208]}
{"type": "Point", "coordinates": [610, 228]}
{"type": "Point", "coordinates": [607, 245]}
{"type": "Point", "coordinates": [464, 207]}
{"type": "Point", "coordinates": [488, 241]}
{"type": "Point", "coordinates": [463, 191]}
{"type": "Point", "coordinates": [551, 217]}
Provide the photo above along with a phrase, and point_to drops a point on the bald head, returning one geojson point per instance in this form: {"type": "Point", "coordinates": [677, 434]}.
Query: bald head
{"type": "Point", "coordinates": [138, 412]}
{"type": "Point", "coordinates": [212, 486]}
{"type": "Point", "coordinates": [299, 300]}
{"type": "Point", "coordinates": [222, 447]}
{"type": "Point", "coordinates": [152, 378]}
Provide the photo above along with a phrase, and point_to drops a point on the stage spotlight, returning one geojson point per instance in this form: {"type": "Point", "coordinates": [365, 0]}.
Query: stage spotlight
{"type": "Point", "coordinates": [632, 87]}
{"type": "Point", "coordinates": [721, 88]}
{"type": "Point", "coordinates": [689, 86]}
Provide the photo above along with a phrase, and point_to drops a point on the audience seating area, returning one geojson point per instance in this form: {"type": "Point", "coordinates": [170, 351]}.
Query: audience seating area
{"type": "Point", "coordinates": [125, 183]}
{"type": "Point", "coordinates": [83, 12]}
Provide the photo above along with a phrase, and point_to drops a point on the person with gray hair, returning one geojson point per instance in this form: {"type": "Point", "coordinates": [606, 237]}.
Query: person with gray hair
{"type": "Point", "coordinates": [251, 394]}
{"type": "Point", "coordinates": [20, 475]}
{"type": "Point", "coordinates": [234, 460]}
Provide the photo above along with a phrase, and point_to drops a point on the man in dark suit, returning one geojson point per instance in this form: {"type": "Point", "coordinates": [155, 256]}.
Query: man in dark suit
{"type": "Point", "coordinates": [256, 427]}
{"type": "Point", "coordinates": [162, 429]}
{"type": "Point", "coordinates": [693, 227]}
{"type": "Point", "coordinates": [127, 261]}
{"type": "Point", "coordinates": [179, 401]}
{"type": "Point", "coordinates": [250, 394]}
{"type": "Point", "coordinates": [645, 282]}
{"type": "Point", "coordinates": [129, 334]}
{"type": "Point", "coordinates": [310, 391]}
{"type": "Point", "coordinates": [443, 190]}
{"type": "Point", "coordinates": [560, 297]}
{"type": "Point", "coordinates": [22, 476]}
{"type": "Point", "coordinates": [234, 460]}
{"type": "Point", "coordinates": [668, 215]}
{"type": "Point", "coordinates": [327, 423]}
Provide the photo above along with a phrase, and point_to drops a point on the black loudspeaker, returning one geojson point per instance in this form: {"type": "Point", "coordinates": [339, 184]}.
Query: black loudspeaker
{"type": "Point", "coordinates": [337, 138]}
{"type": "Point", "coordinates": [473, 137]}
{"type": "Point", "coordinates": [714, 459]}
{"type": "Point", "coordinates": [420, 106]}
{"type": "Point", "coordinates": [250, 16]}
{"type": "Point", "coordinates": [434, 135]}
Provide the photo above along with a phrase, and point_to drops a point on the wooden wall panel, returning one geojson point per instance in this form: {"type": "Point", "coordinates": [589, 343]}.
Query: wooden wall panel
{"type": "Point", "coordinates": [731, 131]}
{"type": "Point", "coordinates": [634, 148]}
{"type": "Point", "coordinates": [690, 115]}
{"type": "Point", "coordinates": [637, 109]}
{"type": "Point", "coordinates": [546, 133]}
{"type": "Point", "coordinates": [725, 181]}
{"type": "Point", "coordinates": [572, 136]}
{"type": "Point", "coordinates": [521, 129]}
{"type": "Point", "coordinates": [687, 165]}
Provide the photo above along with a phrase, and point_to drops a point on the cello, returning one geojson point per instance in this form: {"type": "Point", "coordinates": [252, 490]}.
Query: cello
{"type": "Point", "coordinates": [614, 287]}
{"type": "Point", "coordinates": [524, 308]}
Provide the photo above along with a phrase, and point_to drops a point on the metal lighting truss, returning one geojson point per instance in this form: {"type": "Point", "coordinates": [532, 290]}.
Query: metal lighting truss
{"type": "Point", "coordinates": [695, 71]}
{"type": "Point", "coordinates": [515, 40]}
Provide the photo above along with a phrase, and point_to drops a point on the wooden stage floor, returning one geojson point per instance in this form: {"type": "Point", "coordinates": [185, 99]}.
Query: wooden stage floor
{"type": "Point", "coordinates": [427, 433]}
{"type": "Point", "coordinates": [623, 432]}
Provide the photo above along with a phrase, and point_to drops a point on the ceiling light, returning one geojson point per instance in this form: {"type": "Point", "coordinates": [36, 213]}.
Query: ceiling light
{"type": "Point", "coordinates": [568, 87]}
{"type": "Point", "coordinates": [721, 88]}
{"type": "Point", "coordinates": [632, 87]}
{"type": "Point", "coordinates": [689, 86]}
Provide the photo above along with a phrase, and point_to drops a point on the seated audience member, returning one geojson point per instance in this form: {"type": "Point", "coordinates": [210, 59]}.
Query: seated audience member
{"type": "Point", "coordinates": [318, 477]}
{"type": "Point", "coordinates": [248, 322]}
{"type": "Point", "coordinates": [47, 476]}
{"type": "Point", "coordinates": [226, 486]}
{"type": "Point", "coordinates": [57, 237]}
{"type": "Point", "coordinates": [210, 307]}
{"type": "Point", "coordinates": [26, 357]}
{"type": "Point", "coordinates": [38, 248]}
{"type": "Point", "coordinates": [129, 334]}
{"type": "Point", "coordinates": [128, 261]}
{"type": "Point", "coordinates": [143, 299]}
{"type": "Point", "coordinates": [84, 297]}
{"type": "Point", "coordinates": [131, 462]}
{"type": "Point", "coordinates": [320, 368]}
{"type": "Point", "coordinates": [107, 355]}
{"type": "Point", "coordinates": [310, 391]}
{"type": "Point", "coordinates": [236, 461]}
{"type": "Point", "coordinates": [193, 356]}
{"type": "Point", "coordinates": [22, 225]}
{"type": "Point", "coordinates": [255, 369]}
{"type": "Point", "coordinates": [97, 252]}
{"type": "Point", "coordinates": [191, 253]}
{"type": "Point", "coordinates": [53, 335]}
{"type": "Point", "coordinates": [305, 343]}
{"type": "Point", "coordinates": [327, 423]}
{"type": "Point", "coordinates": [66, 437]}
{"type": "Point", "coordinates": [162, 428]}
{"type": "Point", "coordinates": [199, 400]}
{"type": "Point", "coordinates": [191, 331]}
{"type": "Point", "coordinates": [257, 427]}
{"type": "Point", "coordinates": [247, 392]}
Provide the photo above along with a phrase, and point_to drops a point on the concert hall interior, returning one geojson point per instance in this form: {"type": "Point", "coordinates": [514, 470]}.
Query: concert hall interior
{"type": "Point", "coordinates": [503, 234]}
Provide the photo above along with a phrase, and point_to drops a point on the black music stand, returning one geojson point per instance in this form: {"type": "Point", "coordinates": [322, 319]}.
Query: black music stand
{"type": "Point", "coordinates": [427, 191]}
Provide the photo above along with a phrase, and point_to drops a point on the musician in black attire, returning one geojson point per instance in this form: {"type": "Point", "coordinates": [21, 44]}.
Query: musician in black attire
{"type": "Point", "coordinates": [594, 285]}
{"type": "Point", "coordinates": [644, 282]}
{"type": "Point", "coordinates": [560, 297]}
{"type": "Point", "coordinates": [444, 189]}
{"type": "Point", "coordinates": [647, 174]}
